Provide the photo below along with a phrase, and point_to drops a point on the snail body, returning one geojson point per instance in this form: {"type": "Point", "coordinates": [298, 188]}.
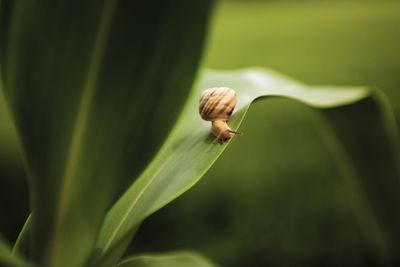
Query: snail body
{"type": "Point", "coordinates": [217, 105]}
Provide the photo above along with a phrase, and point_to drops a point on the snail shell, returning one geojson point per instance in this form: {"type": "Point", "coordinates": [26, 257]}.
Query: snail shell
{"type": "Point", "coordinates": [217, 105]}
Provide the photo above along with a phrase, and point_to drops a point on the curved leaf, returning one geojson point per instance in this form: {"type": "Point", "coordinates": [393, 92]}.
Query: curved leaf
{"type": "Point", "coordinates": [88, 84]}
{"type": "Point", "coordinates": [188, 152]}
{"type": "Point", "coordinates": [176, 259]}
{"type": "Point", "coordinates": [369, 152]}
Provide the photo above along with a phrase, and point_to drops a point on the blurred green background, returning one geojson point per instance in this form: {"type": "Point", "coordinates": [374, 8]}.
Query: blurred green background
{"type": "Point", "coordinates": [276, 197]}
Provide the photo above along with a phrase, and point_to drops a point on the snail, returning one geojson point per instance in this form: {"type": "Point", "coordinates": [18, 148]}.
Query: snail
{"type": "Point", "coordinates": [217, 105]}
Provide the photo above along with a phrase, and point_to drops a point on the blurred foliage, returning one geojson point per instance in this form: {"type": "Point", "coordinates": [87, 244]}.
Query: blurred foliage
{"type": "Point", "coordinates": [335, 42]}
{"type": "Point", "coordinates": [175, 259]}
{"type": "Point", "coordinates": [289, 204]}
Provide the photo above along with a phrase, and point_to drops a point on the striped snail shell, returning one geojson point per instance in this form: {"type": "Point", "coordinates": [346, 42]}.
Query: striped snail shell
{"type": "Point", "coordinates": [216, 105]}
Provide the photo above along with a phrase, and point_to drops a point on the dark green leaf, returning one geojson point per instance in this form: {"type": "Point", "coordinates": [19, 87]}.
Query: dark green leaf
{"type": "Point", "coordinates": [94, 88]}
{"type": "Point", "coordinates": [369, 150]}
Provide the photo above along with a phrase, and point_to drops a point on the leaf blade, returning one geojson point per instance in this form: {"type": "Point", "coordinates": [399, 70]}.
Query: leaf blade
{"type": "Point", "coordinates": [189, 144]}
{"type": "Point", "coordinates": [61, 76]}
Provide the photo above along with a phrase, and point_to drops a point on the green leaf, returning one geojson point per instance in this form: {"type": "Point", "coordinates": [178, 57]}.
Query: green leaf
{"type": "Point", "coordinates": [7, 259]}
{"type": "Point", "coordinates": [368, 151]}
{"type": "Point", "coordinates": [94, 88]}
{"type": "Point", "coordinates": [188, 152]}
{"type": "Point", "coordinates": [176, 259]}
